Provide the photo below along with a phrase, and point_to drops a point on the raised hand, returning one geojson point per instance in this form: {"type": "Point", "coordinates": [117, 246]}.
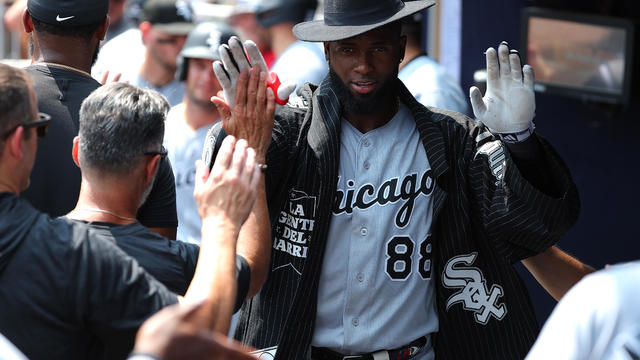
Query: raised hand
{"type": "Point", "coordinates": [508, 105]}
{"type": "Point", "coordinates": [234, 61]}
{"type": "Point", "coordinates": [229, 191]}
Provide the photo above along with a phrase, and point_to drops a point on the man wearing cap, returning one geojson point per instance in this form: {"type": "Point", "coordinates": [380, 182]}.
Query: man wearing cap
{"type": "Point", "coordinates": [296, 61]}
{"type": "Point", "coordinates": [66, 37]}
{"type": "Point", "coordinates": [147, 56]}
{"type": "Point", "coordinates": [188, 122]}
{"type": "Point", "coordinates": [395, 226]}
{"type": "Point", "coordinates": [68, 293]}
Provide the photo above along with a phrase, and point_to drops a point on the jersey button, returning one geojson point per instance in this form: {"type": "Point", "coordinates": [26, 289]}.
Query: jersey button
{"type": "Point", "coordinates": [360, 277]}
{"type": "Point", "coordinates": [355, 322]}
{"type": "Point", "coordinates": [366, 143]}
{"type": "Point", "coordinates": [367, 165]}
{"type": "Point", "coordinates": [364, 231]}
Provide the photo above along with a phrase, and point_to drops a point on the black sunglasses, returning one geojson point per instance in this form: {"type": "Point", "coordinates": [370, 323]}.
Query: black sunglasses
{"type": "Point", "coordinates": [163, 152]}
{"type": "Point", "coordinates": [42, 126]}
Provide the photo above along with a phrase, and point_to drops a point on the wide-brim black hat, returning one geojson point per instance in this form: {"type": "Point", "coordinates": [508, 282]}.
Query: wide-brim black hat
{"type": "Point", "coordinates": [347, 18]}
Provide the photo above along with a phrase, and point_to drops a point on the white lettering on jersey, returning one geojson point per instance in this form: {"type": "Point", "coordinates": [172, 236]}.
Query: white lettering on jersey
{"type": "Point", "coordinates": [295, 224]}
{"type": "Point", "coordinates": [389, 192]}
{"type": "Point", "coordinates": [496, 158]}
{"type": "Point", "coordinates": [473, 292]}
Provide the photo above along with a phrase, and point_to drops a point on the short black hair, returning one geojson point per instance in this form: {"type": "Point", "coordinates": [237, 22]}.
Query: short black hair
{"type": "Point", "coordinates": [118, 123]}
{"type": "Point", "coordinates": [15, 99]}
{"type": "Point", "coordinates": [84, 32]}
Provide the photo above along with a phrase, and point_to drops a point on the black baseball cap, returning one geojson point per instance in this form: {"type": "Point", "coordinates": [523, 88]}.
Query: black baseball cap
{"type": "Point", "coordinates": [68, 13]}
{"type": "Point", "coordinates": [171, 16]}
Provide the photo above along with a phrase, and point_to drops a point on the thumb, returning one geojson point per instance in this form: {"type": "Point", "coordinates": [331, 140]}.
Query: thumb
{"type": "Point", "coordinates": [223, 108]}
{"type": "Point", "coordinates": [285, 89]}
{"type": "Point", "coordinates": [477, 104]}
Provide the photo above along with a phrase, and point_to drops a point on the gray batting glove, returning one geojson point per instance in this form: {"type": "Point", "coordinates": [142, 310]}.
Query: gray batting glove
{"type": "Point", "coordinates": [509, 104]}
{"type": "Point", "coordinates": [234, 61]}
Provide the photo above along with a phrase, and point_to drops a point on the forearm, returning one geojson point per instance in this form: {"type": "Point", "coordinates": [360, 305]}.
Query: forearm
{"type": "Point", "coordinates": [254, 242]}
{"type": "Point", "coordinates": [215, 275]}
{"type": "Point", "coordinates": [556, 271]}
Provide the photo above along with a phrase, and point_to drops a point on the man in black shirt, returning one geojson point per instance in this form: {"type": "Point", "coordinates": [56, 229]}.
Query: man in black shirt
{"type": "Point", "coordinates": [68, 293]}
{"type": "Point", "coordinates": [115, 182]}
{"type": "Point", "coordinates": [66, 37]}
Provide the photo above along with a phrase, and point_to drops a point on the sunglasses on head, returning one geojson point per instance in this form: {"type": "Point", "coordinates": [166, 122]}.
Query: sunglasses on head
{"type": "Point", "coordinates": [41, 125]}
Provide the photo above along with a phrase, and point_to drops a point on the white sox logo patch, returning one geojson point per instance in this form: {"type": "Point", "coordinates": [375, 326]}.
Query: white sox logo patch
{"type": "Point", "coordinates": [495, 155]}
{"type": "Point", "coordinates": [473, 294]}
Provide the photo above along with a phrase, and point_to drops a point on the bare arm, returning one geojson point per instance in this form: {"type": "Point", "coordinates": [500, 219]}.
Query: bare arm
{"type": "Point", "coordinates": [252, 119]}
{"type": "Point", "coordinates": [225, 197]}
{"type": "Point", "coordinates": [556, 271]}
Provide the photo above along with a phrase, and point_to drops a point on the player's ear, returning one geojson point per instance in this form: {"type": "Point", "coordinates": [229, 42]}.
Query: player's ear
{"type": "Point", "coordinates": [74, 150]}
{"type": "Point", "coordinates": [326, 51]}
{"type": "Point", "coordinates": [151, 167]}
{"type": "Point", "coordinates": [26, 21]}
{"type": "Point", "coordinates": [403, 46]}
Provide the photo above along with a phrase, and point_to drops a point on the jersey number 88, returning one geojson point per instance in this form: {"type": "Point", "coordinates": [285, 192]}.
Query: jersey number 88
{"type": "Point", "coordinates": [399, 258]}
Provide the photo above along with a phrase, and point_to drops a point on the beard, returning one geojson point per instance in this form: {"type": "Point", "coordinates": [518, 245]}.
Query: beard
{"type": "Point", "coordinates": [364, 104]}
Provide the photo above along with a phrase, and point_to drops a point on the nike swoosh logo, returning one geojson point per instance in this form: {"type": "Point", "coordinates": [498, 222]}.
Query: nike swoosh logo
{"type": "Point", "coordinates": [58, 18]}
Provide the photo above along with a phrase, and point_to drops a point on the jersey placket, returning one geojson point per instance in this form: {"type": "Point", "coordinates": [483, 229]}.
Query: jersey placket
{"type": "Point", "coordinates": [362, 254]}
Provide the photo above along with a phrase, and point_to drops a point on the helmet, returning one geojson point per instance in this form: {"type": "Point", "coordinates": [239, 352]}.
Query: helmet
{"type": "Point", "coordinates": [272, 12]}
{"type": "Point", "coordinates": [202, 43]}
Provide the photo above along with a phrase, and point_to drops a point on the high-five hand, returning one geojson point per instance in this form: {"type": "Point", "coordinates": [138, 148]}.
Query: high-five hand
{"type": "Point", "coordinates": [234, 61]}
{"type": "Point", "coordinates": [508, 105]}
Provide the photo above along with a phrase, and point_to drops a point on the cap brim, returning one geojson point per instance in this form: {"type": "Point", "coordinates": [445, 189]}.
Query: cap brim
{"type": "Point", "coordinates": [200, 52]}
{"type": "Point", "coordinates": [178, 28]}
{"type": "Point", "coordinates": [317, 30]}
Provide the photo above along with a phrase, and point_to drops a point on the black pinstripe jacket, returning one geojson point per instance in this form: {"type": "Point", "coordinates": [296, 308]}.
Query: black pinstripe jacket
{"type": "Point", "coordinates": [486, 217]}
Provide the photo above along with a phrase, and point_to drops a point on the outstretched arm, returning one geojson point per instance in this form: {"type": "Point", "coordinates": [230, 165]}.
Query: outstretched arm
{"type": "Point", "coordinates": [556, 271]}
{"type": "Point", "coordinates": [247, 113]}
{"type": "Point", "coordinates": [225, 196]}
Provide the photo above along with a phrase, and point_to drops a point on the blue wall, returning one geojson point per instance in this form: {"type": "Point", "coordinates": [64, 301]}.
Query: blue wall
{"type": "Point", "coordinates": [600, 148]}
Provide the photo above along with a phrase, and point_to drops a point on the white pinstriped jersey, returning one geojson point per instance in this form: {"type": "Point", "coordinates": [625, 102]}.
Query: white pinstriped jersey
{"type": "Point", "coordinates": [375, 288]}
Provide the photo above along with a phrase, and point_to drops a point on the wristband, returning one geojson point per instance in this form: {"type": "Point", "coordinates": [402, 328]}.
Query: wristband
{"type": "Point", "coordinates": [274, 83]}
{"type": "Point", "coordinates": [518, 136]}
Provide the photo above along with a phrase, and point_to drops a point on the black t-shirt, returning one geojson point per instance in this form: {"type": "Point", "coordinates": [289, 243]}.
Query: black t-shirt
{"type": "Point", "coordinates": [172, 262]}
{"type": "Point", "coordinates": [55, 179]}
{"type": "Point", "coordinates": [66, 292]}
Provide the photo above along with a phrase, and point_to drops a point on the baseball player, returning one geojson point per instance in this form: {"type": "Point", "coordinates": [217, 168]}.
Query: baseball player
{"type": "Point", "coordinates": [188, 122]}
{"type": "Point", "coordinates": [394, 226]}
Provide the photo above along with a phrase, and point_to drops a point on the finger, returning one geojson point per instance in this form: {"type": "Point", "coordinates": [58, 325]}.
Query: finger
{"type": "Point", "coordinates": [241, 89]}
{"type": "Point", "coordinates": [503, 57]}
{"type": "Point", "coordinates": [117, 77]}
{"type": "Point", "coordinates": [252, 89]}
{"type": "Point", "coordinates": [103, 79]}
{"type": "Point", "coordinates": [250, 164]}
{"type": "Point", "coordinates": [224, 157]}
{"type": "Point", "coordinates": [285, 89]}
{"type": "Point", "coordinates": [229, 65]}
{"type": "Point", "coordinates": [237, 51]}
{"type": "Point", "coordinates": [223, 109]}
{"type": "Point", "coordinates": [239, 157]}
{"type": "Point", "coordinates": [516, 68]}
{"type": "Point", "coordinates": [261, 95]}
{"type": "Point", "coordinates": [528, 77]}
{"type": "Point", "coordinates": [271, 104]}
{"type": "Point", "coordinates": [492, 67]}
{"type": "Point", "coordinates": [255, 56]}
{"type": "Point", "coordinates": [222, 75]}
{"type": "Point", "coordinates": [477, 104]}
